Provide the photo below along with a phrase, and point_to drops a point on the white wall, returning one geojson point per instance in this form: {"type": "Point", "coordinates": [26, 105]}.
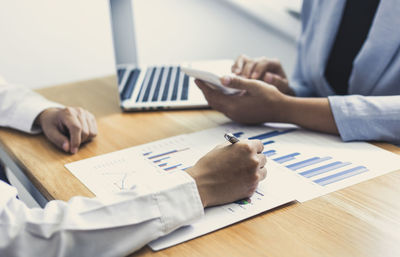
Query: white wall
{"type": "Point", "coordinates": [177, 30]}
{"type": "Point", "coordinates": [47, 42]}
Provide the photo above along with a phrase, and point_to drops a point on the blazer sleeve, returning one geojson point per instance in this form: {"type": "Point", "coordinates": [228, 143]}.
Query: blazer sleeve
{"type": "Point", "coordinates": [367, 117]}
{"type": "Point", "coordinates": [298, 82]}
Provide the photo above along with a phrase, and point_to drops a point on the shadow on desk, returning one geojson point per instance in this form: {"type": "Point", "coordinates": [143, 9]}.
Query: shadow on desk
{"type": "Point", "coordinates": [100, 95]}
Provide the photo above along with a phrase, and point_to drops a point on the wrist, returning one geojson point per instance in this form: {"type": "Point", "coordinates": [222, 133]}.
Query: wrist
{"type": "Point", "coordinates": [285, 107]}
{"type": "Point", "coordinates": [192, 172]}
{"type": "Point", "coordinates": [310, 113]}
{"type": "Point", "coordinates": [40, 118]}
{"type": "Point", "coordinates": [289, 91]}
{"type": "Point", "coordinates": [38, 121]}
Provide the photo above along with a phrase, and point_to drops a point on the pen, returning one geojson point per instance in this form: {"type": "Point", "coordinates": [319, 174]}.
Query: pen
{"type": "Point", "coordinates": [231, 138]}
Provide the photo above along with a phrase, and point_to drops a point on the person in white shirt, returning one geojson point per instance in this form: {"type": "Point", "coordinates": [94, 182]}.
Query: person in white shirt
{"type": "Point", "coordinates": [123, 222]}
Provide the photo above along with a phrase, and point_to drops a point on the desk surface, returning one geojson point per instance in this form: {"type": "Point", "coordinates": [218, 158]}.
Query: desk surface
{"type": "Point", "coordinates": [363, 220]}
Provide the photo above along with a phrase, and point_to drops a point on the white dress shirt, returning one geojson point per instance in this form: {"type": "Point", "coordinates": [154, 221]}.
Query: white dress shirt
{"type": "Point", "coordinates": [109, 226]}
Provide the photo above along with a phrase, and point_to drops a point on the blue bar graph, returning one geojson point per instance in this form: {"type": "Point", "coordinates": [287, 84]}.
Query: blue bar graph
{"type": "Point", "coordinates": [165, 158]}
{"type": "Point", "coordinates": [269, 153]}
{"type": "Point", "coordinates": [308, 162]}
{"type": "Point", "coordinates": [340, 176]}
{"type": "Point", "coordinates": [268, 142]}
{"type": "Point", "coordinates": [144, 154]}
{"type": "Point", "coordinates": [266, 135]}
{"type": "Point", "coordinates": [166, 153]}
{"type": "Point", "coordinates": [173, 167]}
{"type": "Point", "coordinates": [271, 134]}
{"type": "Point", "coordinates": [323, 169]}
{"type": "Point", "coordinates": [286, 158]}
{"type": "Point", "coordinates": [162, 154]}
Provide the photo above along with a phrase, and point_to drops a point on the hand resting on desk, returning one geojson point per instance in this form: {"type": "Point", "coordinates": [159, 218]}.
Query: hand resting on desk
{"type": "Point", "coordinates": [67, 128]}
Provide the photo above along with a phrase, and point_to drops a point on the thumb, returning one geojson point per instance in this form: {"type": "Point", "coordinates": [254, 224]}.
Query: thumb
{"type": "Point", "coordinates": [240, 83]}
{"type": "Point", "coordinates": [282, 84]}
{"type": "Point", "coordinates": [274, 79]}
{"type": "Point", "coordinates": [56, 137]}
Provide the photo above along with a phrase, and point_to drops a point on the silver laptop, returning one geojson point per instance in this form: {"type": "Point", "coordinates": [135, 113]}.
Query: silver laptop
{"type": "Point", "coordinates": [152, 87]}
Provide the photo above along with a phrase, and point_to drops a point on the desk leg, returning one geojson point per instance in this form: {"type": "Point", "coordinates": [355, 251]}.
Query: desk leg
{"type": "Point", "coordinates": [20, 175]}
{"type": "Point", "coordinates": [3, 175]}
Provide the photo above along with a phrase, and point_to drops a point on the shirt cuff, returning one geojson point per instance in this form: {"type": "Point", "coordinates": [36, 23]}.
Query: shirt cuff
{"type": "Point", "coordinates": [178, 199]}
{"type": "Point", "coordinates": [343, 118]}
{"type": "Point", "coordinates": [25, 113]}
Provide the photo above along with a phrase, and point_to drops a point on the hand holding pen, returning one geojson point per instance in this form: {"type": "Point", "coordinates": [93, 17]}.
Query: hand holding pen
{"type": "Point", "coordinates": [229, 173]}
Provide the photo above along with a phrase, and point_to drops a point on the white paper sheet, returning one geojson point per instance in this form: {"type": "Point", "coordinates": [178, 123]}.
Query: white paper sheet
{"type": "Point", "coordinates": [301, 165]}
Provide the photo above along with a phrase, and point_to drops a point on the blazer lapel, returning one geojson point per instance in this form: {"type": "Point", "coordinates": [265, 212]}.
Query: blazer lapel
{"type": "Point", "coordinates": [378, 50]}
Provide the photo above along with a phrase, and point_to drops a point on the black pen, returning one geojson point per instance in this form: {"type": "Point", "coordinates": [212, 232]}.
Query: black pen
{"type": "Point", "coordinates": [231, 138]}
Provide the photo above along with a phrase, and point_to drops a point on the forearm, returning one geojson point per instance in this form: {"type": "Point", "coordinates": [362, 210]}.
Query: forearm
{"type": "Point", "coordinates": [52, 232]}
{"type": "Point", "coordinates": [122, 222]}
{"type": "Point", "coordinates": [310, 113]}
{"type": "Point", "coordinates": [19, 107]}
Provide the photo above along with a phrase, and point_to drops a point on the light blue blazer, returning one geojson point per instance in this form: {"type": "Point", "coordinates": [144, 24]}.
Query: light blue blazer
{"type": "Point", "coordinates": [371, 111]}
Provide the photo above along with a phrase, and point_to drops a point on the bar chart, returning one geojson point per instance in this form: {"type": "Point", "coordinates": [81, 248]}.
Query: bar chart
{"type": "Point", "coordinates": [319, 167]}
{"type": "Point", "coordinates": [168, 160]}
{"type": "Point", "coordinates": [324, 170]}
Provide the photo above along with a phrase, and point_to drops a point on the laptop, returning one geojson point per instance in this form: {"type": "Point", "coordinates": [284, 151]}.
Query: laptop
{"type": "Point", "coordinates": [156, 86]}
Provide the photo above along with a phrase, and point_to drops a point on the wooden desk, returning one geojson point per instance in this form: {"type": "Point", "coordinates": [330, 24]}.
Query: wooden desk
{"type": "Point", "coordinates": [363, 220]}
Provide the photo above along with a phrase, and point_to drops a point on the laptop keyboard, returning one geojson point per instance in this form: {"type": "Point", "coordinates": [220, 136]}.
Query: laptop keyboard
{"type": "Point", "coordinates": [166, 83]}
{"type": "Point", "coordinates": [130, 84]}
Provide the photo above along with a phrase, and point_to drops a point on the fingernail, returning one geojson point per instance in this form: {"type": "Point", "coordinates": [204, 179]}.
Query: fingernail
{"type": "Point", "coordinates": [65, 146]}
{"type": "Point", "coordinates": [268, 78]}
{"type": "Point", "coordinates": [237, 70]}
{"type": "Point", "coordinates": [254, 75]}
{"type": "Point", "coordinates": [74, 150]}
{"type": "Point", "coordinates": [242, 93]}
{"type": "Point", "coordinates": [226, 80]}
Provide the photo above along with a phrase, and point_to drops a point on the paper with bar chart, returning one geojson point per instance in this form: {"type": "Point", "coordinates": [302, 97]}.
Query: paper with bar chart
{"type": "Point", "coordinates": [321, 163]}
{"type": "Point", "coordinates": [301, 165]}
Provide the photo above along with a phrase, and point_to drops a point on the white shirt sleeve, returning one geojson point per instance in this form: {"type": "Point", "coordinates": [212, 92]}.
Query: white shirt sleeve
{"type": "Point", "coordinates": [115, 225]}
{"type": "Point", "coordinates": [19, 107]}
{"type": "Point", "coordinates": [109, 226]}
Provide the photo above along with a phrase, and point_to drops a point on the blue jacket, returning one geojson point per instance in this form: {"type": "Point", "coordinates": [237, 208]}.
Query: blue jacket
{"type": "Point", "coordinates": [371, 111]}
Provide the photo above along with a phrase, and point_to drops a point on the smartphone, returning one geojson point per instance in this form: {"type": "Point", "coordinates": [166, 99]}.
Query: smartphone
{"type": "Point", "coordinates": [211, 79]}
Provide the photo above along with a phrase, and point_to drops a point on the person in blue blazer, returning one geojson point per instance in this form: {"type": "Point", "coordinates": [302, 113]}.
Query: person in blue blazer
{"type": "Point", "coordinates": [346, 80]}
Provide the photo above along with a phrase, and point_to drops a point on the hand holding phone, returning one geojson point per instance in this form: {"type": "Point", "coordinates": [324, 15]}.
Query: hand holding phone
{"type": "Point", "coordinates": [210, 78]}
